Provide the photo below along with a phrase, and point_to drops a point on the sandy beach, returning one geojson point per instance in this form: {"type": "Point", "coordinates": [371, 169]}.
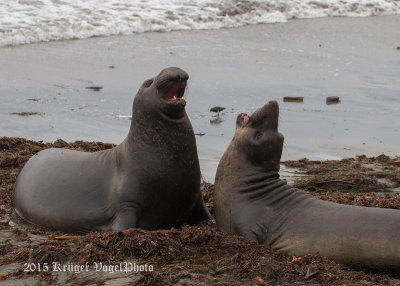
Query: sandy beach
{"type": "Point", "coordinates": [241, 69]}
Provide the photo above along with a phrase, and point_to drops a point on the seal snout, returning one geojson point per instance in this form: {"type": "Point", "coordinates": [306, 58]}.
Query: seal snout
{"type": "Point", "coordinates": [271, 109]}
{"type": "Point", "coordinates": [170, 87]}
{"type": "Point", "coordinates": [181, 76]}
{"type": "Point", "coordinates": [171, 83]}
{"type": "Point", "coordinates": [267, 116]}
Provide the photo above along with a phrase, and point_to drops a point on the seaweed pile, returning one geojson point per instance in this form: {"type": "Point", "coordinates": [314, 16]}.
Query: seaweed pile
{"type": "Point", "coordinates": [192, 255]}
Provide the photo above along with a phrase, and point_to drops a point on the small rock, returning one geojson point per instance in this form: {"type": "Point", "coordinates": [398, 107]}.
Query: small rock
{"type": "Point", "coordinates": [293, 99]}
{"type": "Point", "coordinates": [27, 113]}
{"type": "Point", "coordinates": [94, 88]}
{"type": "Point", "coordinates": [332, 100]}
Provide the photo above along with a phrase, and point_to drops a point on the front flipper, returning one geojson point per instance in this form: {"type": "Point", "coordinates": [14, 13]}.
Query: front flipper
{"type": "Point", "coordinates": [252, 222]}
{"type": "Point", "coordinates": [126, 217]}
{"type": "Point", "coordinates": [200, 212]}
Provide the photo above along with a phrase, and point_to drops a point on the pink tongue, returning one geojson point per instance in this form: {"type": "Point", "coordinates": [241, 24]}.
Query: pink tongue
{"type": "Point", "coordinates": [246, 119]}
{"type": "Point", "coordinates": [171, 92]}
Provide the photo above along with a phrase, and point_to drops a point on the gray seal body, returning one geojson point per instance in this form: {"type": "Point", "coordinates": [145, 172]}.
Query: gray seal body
{"type": "Point", "coordinates": [252, 201]}
{"type": "Point", "coordinates": [150, 181]}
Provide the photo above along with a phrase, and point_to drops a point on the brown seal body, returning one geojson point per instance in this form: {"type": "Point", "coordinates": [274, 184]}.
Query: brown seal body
{"type": "Point", "coordinates": [252, 201]}
{"type": "Point", "coordinates": [151, 180]}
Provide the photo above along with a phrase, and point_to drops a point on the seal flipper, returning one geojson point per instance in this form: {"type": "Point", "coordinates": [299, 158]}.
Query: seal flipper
{"type": "Point", "coordinates": [17, 220]}
{"type": "Point", "coordinates": [252, 223]}
{"type": "Point", "coordinates": [125, 218]}
{"type": "Point", "coordinates": [200, 212]}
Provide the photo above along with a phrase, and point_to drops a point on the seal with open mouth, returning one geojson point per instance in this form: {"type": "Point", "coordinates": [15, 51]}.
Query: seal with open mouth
{"type": "Point", "coordinates": [252, 201]}
{"type": "Point", "coordinates": [151, 180]}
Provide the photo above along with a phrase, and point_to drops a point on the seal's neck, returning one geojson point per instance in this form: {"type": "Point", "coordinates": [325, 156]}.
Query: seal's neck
{"type": "Point", "coordinates": [251, 173]}
{"type": "Point", "coordinates": [155, 129]}
{"type": "Point", "coordinates": [263, 186]}
{"type": "Point", "coordinates": [273, 200]}
{"type": "Point", "coordinates": [256, 182]}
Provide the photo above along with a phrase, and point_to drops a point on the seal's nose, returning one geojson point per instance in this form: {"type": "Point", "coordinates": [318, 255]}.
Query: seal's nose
{"type": "Point", "coordinates": [273, 106]}
{"type": "Point", "coordinates": [175, 74]}
{"type": "Point", "coordinates": [274, 103]}
{"type": "Point", "coordinates": [182, 76]}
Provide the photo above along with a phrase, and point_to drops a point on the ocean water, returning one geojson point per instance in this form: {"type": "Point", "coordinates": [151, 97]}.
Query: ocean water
{"type": "Point", "coordinates": [30, 21]}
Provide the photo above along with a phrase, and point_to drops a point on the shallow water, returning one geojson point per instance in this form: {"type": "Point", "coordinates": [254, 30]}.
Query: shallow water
{"type": "Point", "coordinates": [240, 69]}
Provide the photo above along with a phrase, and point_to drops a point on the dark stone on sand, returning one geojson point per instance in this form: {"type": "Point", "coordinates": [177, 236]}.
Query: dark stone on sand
{"type": "Point", "coordinates": [27, 113]}
{"type": "Point", "coordinates": [332, 100]}
{"type": "Point", "coordinates": [398, 48]}
{"type": "Point", "coordinates": [293, 99]}
{"type": "Point", "coordinates": [94, 88]}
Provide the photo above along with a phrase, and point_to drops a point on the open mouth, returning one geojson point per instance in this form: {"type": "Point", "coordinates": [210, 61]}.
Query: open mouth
{"type": "Point", "coordinates": [243, 118]}
{"type": "Point", "coordinates": [175, 92]}
{"type": "Point", "coordinates": [269, 113]}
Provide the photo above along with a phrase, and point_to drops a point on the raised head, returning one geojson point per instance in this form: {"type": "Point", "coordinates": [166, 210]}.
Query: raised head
{"type": "Point", "coordinates": [163, 95]}
{"type": "Point", "coordinates": [258, 138]}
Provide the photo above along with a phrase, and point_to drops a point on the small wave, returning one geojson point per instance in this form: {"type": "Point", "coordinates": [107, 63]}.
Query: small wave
{"type": "Point", "coordinates": [29, 21]}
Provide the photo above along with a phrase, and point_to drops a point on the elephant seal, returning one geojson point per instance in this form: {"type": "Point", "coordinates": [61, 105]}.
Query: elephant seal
{"type": "Point", "coordinates": [252, 201]}
{"type": "Point", "coordinates": [150, 181]}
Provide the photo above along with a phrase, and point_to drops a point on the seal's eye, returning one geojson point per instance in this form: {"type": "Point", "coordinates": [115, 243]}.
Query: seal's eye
{"type": "Point", "coordinates": [148, 82]}
{"type": "Point", "coordinates": [258, 135]}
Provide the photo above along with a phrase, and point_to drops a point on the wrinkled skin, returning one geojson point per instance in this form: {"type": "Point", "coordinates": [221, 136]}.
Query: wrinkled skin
{"type": "Point", "coordinates": [252, 201]}
{"type": "Point", "coordinates": [150, 181]}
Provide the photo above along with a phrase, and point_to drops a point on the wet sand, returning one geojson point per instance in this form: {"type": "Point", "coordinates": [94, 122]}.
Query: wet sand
{"type": "Point", "coordinates": [241, 69]}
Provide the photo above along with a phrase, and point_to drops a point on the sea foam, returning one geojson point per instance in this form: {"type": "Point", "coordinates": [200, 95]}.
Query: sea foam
{"type": "Point", "coordinates": [29, 21]}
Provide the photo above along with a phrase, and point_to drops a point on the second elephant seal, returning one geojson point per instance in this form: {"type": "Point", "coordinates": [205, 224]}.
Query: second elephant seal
{"type": "Point", "coordinates": [150, 181]}
{"type": "Point", "coordinates": [251, 200]}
